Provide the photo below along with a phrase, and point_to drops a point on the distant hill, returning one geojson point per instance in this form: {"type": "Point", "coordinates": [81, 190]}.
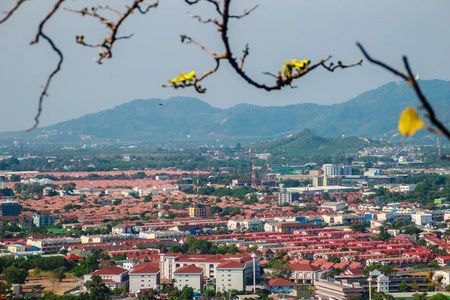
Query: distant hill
{"type": "Point", "coordinates": [309, 142]}
{"type": "Point", "coordinates": [191, 122]}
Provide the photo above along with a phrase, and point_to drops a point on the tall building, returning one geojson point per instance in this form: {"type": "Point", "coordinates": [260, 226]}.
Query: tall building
{"type": "Point", "coordinates": [199, 211]}
{"type": "Point", "coordinates": [287, 198]}
{"type": "Point", "coordinates": [9, 208]}
{"type": "Point", "coordinates": [336, 170]}
{"type": "Point", "coordinates": [327, 181]}
{"type": "Point", "coordinates": [42, 220]}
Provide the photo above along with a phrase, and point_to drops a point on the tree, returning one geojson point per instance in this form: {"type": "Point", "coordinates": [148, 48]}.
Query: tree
{"type": "Point", "coordinates": [15, 275]}
{"type": "Point", "coordinates": [403, 286]}
{"type": "Point", "coordinates": [97, 288]}
{"type": "Point", "coordinates": [439, 296]}
{"type": "Point", "coordinates": [359, 226]}
{"type": "Point", "coordinates": [39, 288]}
{"type": "Point", "coordinates": [420, 296]}
{"type": "Point", "coordinates": [59, 273]}
{"type": "Point", "coordinates": [187, 293]}
{"type": "Point", "coordinates": [334, 259]}
{"type": "Point", "coordinates": [281, 269]}
{"type": "Point", "coordinates": [415, 286]}
{"type": "Point", "coordinates": [382, 296]}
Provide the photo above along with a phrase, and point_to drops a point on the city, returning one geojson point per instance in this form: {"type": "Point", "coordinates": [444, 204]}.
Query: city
{"type": "Point", "coordinates": [297, 230]}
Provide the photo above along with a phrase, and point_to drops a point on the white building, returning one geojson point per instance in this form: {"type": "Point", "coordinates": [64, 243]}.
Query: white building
{"type": "Point", "coordinates": [305, 273]}
{"type": "Point", "coordinates": [112, 276]}
{"type": "Point", "coordinates": [189, 276]}
{"type": "Point", "coordinates": [53, 245]}
{"type": "Point", "coordinates": [420, 219]}
{"type": "Point", "coordinates": [245, 224]}
{"type": "Point", "coordinates": [334, 206]}
{"type": "Point", "coordinates": [144, 276]}
{"type": "Point", "coordinates": [230, 276]}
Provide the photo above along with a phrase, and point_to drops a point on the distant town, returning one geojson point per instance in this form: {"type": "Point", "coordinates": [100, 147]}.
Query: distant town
{"type": "Point", "coordinates": [224, 223]}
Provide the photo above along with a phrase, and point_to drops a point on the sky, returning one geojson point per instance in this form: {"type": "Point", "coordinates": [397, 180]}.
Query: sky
{"type": "Point", "coordinates": [276, 31]}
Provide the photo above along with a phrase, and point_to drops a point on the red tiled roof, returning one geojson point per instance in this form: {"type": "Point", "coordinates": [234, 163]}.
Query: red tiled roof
{"type": "Point", "coordinates": [189, 269]}
{"type": "Point", "coordinates": [145, 268]}
{"type": "Point", "coordinates": [111, 270]}
{"type": "Point", "coordinates": [72, 257]}
{"type": "Point", "coordinates": [280, 281]}
{"type": "Point", "coordinates": [230, 265]}
{"type": "Point", "coordinates": [303, 267]}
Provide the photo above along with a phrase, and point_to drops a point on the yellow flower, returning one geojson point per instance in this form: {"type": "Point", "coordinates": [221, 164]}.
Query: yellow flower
{"type": "Point", "coordinates": [301, 64]}
{"type": "Point", "coordinates": [410, 122]}
{"type": "Point", "coordinates": [183, 78]}
{"type": "Point", "coordinates": [294, 64]}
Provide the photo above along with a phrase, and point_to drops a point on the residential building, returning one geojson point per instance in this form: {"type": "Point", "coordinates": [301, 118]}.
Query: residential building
{"type": "Point", "coordinates": [263, 182]}
{"type": "Point", "coordinates": [53, 245]}
{"type": "Point", "coordinates": [189, 276]}
{"type": "Point", "coordinates": [144, 276]}
{"type": "Point", "coordinates": [305, 273]}
{"type": "Point", "coordinates": [421, 219]}
{"type": "Point", "coordinates": [112, 276]}
{"type": "Point", "coordinates": [42, 220]}
{"type": "Point", "coordinates": [337, 291]}
{"type": "Point", "coordinates": [252, 224]}
{"type": "Point", "coordinates": [9, 208]}
{"type": "Point", "coordinates": [280, 285]}
{"type": "Point", "coordinates": [334, 206]}
{"type": "Point", "coordinates": [122, 229]}
{"type": "Point", "coordinates": [327, 180]}
{"type": "Point", "coordinates": [199, 211]}
{"type": "Point", "coordinates": [287, 198]}
{"type": "Point", "coordinates": [230, 276]}
{"type": "Point", "coordinates": [336, 170]}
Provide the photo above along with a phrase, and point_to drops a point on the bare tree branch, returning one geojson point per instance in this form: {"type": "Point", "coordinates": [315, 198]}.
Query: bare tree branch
{"type": "Point", "coordinates": [106, 46]}
{"type": "Point", "coordinates": [409, 78]}
{"type": "Point", "coordinates": [10, 12]}
{"type": "Point", "coordinates": [283, 79]}
{"type": "Point", "coordinates": [40, 33]}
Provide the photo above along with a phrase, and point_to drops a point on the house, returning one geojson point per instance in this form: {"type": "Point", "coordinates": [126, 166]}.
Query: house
{"type": "Point", "coordinates": [189, 276]}
{"type": "Point", "coordinates": [122, 229]}
{"type": "Point", "coordinates": [334, 290]}
{"type": "Point", "coordinates": [305, 273]}
{"type": "Point", "coordinates": [144, 276]}
{"type": "Point", "coordinates": [230, 276]}
{"type": "Point", "coordinates": [443, 260]}
{"type": "Point", "coordinates": [73, 257]}
{"type": "Point", "coordinates": [112, 276]}
{"type": "Point", "coordinates": [280, 285]}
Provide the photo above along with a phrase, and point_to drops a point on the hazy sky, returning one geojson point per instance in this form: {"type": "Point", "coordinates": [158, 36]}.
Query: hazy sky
{"type": "Point", "coordinates": [278, 30]}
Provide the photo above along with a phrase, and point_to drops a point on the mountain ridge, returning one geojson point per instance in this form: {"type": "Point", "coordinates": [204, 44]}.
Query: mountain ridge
{"type": "Point", "coordinates": [188, 120]}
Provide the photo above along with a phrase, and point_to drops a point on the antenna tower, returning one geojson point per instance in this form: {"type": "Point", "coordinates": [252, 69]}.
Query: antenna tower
{"type": "Point", "coordinates": [439, 147]}
{"type": "Point", "coordinates": [198, 187]}
{"type": "Point", "coordinates": [253, 174]}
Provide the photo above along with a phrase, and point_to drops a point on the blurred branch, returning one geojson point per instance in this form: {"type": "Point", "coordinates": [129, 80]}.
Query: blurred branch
{"type": "Point", "coordinates": [291, 72]}
{"type": "Point", "coordinates": [40, 33]}
{"type": "Point", "coordinates": [10, 12]}
{"type": "Point", "coordinates": [410, 79]}
{"type": "Point", "coordinates": [106, 46]}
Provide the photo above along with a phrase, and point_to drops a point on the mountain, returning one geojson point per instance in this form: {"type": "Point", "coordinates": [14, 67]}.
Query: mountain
{"type": "Point", "coordinates": [309, 142]}
{"type": "Point", "coordinates": [191, 122]}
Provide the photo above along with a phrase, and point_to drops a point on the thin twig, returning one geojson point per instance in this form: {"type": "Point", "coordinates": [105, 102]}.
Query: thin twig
{"type": "Point", "coordinates": [409, 77]}
{"type": "Point", "coordinates": [106, 46]}
{"type": "Point", "coordinates": [10, 12]}
{"type": "Point", "coordinates": [40, 33]}
{"type": "Point", "coordinates": [282, 79]}
{"type": "Point", "coordinates": [431, 114]}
